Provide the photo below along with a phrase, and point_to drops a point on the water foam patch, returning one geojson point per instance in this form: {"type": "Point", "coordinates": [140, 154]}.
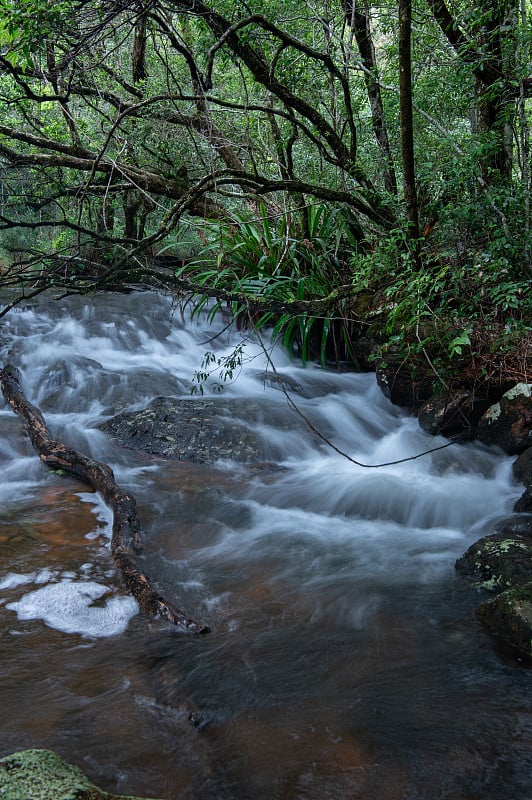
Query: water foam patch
{"type": "Point", "coordinates": [101, 511]}
{"type": "Point", "coordinates": [70, 607]}
{"type": "Point", "coordinates": [14, 579]}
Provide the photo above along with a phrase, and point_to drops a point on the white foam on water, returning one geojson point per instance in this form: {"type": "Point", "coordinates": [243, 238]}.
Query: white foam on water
{"type": "Point", "coordinates": [68, 606]}
{"type": "Point", "coordinates": [101, 511]}
{"type": "Point", "coordinates": [12, 580]}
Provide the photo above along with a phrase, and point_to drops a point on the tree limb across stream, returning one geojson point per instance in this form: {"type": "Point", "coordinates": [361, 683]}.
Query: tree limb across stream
{"type": "Point", "coordinates": [126, 529]}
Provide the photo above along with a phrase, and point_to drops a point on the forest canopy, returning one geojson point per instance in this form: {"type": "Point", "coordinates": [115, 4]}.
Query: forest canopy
{"type": "Point", "coordinates": [333, 168]}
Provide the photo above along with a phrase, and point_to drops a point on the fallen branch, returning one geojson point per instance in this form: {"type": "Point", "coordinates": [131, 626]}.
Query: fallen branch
{"type": "Point", "coordinates": [126, 530]}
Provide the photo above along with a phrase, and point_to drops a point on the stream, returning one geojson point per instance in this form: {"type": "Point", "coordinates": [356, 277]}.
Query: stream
{"type": "Point", "coordinates": [344, 659]}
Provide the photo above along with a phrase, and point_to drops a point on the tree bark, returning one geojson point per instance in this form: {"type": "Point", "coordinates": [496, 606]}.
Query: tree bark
{"type": "Point", "coordinates": [407, 124]}
{"type": "Point", "coordinates": [126, 529]}
{"type": "Point", "coordinates": [360, 24]}
{"type": "Point", "coordinates": [138, 55]}
{"type": "Point", "coordinates": [495, 75]}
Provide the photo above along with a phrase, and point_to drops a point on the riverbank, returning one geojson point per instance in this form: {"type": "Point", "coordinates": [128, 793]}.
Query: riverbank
{"type": "Point", "coordinates": [500, 564]}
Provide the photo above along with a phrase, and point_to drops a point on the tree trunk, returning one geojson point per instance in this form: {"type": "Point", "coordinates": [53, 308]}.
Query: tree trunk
{"type": "Point", "coordinates": [126, 530]}
{"type": "Point", "coordinates": [494, 96]}
{"type": "Point", "coordinates": [138, 54]}
{"type": "Point", "coordinates": [407, 125]}
{"type": "Point", "coordinates": [360, 25]}
{"type": "Point", "coordinates": [494, 72]}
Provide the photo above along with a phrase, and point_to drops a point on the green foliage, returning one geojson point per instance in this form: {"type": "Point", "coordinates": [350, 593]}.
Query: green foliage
{"type": "Point", "coordinates": [272, 264]}
{"type": "Point", "coordinates": [80, 165]}
{"type": "Point", "coordinates": [25, 24]}
{"type": "Point", "coordinates": [456, 345]}
{"type": "Point", "coordinates": [470, 302]}
{"type": "Point", "coordinates": [226, 367]}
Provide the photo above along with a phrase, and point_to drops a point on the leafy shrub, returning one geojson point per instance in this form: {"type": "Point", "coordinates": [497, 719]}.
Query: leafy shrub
{"type": "Point", "coordinates": [465, 307]}
{"type": "Point", "coordinates": [263, 270]}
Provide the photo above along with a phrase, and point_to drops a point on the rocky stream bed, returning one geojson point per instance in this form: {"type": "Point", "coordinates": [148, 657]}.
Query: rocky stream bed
{"type": "Point", "coordinates": [202, 431]}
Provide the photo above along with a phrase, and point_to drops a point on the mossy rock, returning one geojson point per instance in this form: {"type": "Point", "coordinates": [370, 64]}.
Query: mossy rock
{"type": "Point", "coordinates": [502, 560]}
{"type": "Point", "coordinates": [198, 430]}
{"type": "Point", "coordinates": [509, 617]}
{"type": "Point", "coordinates": [43, 775]}
{"type": "Point", "coordinates": [508, 424]}
{"type": "Point", "coordinates": [201, 430]}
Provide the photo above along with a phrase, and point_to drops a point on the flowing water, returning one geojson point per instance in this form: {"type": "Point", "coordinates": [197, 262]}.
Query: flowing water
{"type": "Point", "coordinates": [344, 660]}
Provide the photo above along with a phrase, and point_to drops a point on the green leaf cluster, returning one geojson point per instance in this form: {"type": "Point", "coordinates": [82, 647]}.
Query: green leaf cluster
{"type": "Point", "coordinates": [273, 265]}
{"type": "Point", "coordinates": [25, 26]}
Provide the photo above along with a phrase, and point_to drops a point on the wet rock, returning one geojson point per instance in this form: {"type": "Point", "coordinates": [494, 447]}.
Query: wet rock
{"type": "Point", "coordinates": [503, 559]}
{"type": "Point", "coordinates": [43, 775]}
{"type": "Point", "coordinates": [522, 467]}
{"type": "Point", "coordinates": [186, 430]}
{"type": "Point", "coordinates": [522, 471]}
{"type": "Point", "coordinates": [62, 376]}
{"type": "Point", "coordinates": [450, 415]}
{"type": "Point", "coordinates": [508, 424]}
{"type": "Point", "coordinates": [502, 563]}
{"type": "Point", "coordinates": [69, 386]}
{"type": "Point", "coordinates": [524, 504]}
{"type": "Point", "coordinates": [402, 381]}
{"type": "Point", "coordinates": [275, 380]}
{"type": "Point", "coordinates": [509, 617]}
{"type": "Point", "coordinates": [202, 430]}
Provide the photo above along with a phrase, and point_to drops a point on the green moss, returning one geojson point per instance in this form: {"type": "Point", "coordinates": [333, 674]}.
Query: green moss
{"type": "Point", "coordinates": [521, 595]}
{"type": "Point", "coordinates": [509, 617]}
{"type": "Point", "coordinates": [491, 584]}
{"type": "Point", "coordinates": [43, 775]}
{"type": "Point", "coordinates": [505, 546]}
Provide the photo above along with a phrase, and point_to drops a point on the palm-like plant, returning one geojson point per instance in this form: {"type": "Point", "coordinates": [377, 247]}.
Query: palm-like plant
{"type": "Point", "coordinates": [266, 272]}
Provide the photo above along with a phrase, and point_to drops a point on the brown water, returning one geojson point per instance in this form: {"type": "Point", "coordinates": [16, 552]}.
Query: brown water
{"type": "Point", "coordinates": [344, 659]}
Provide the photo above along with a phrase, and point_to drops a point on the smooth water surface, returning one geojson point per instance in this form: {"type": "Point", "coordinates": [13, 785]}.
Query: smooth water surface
{"type": "Point", "coordinates": [344, 660]}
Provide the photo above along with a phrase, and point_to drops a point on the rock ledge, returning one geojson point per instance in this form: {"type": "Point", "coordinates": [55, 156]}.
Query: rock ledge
{"type": "Point", "coordinates": [43, 775]}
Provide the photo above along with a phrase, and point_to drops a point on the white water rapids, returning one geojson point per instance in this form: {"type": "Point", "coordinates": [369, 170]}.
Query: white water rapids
{"type": "Point", "coordinates": [344, 659]}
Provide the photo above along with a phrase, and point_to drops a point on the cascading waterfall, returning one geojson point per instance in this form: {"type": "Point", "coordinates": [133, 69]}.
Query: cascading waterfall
{"type": "Point", "coordinates": [344, 658]}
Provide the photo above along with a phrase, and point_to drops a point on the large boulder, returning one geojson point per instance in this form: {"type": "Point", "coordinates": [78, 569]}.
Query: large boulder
{"type": "Point", "coordinates": [43, 775]}
{"type": "Point", "coordinates": [503, 559]}
{"type": "Point", "coordinates": [502, 563]}
{"type": "Point", "coordinates": [508, 424]}
{"type": "Point", "coordinates": [202, 430]}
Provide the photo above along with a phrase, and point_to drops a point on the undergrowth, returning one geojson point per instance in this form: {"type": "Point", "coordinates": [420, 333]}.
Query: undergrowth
{"type": "Point", "coordinates": [465, 315]}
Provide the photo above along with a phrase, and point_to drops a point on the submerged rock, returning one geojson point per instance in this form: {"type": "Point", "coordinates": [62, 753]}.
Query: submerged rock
{"type": "Point", "coordinates": [43, 775]}
{"type": "Point", "coordinates": [509, 617]}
